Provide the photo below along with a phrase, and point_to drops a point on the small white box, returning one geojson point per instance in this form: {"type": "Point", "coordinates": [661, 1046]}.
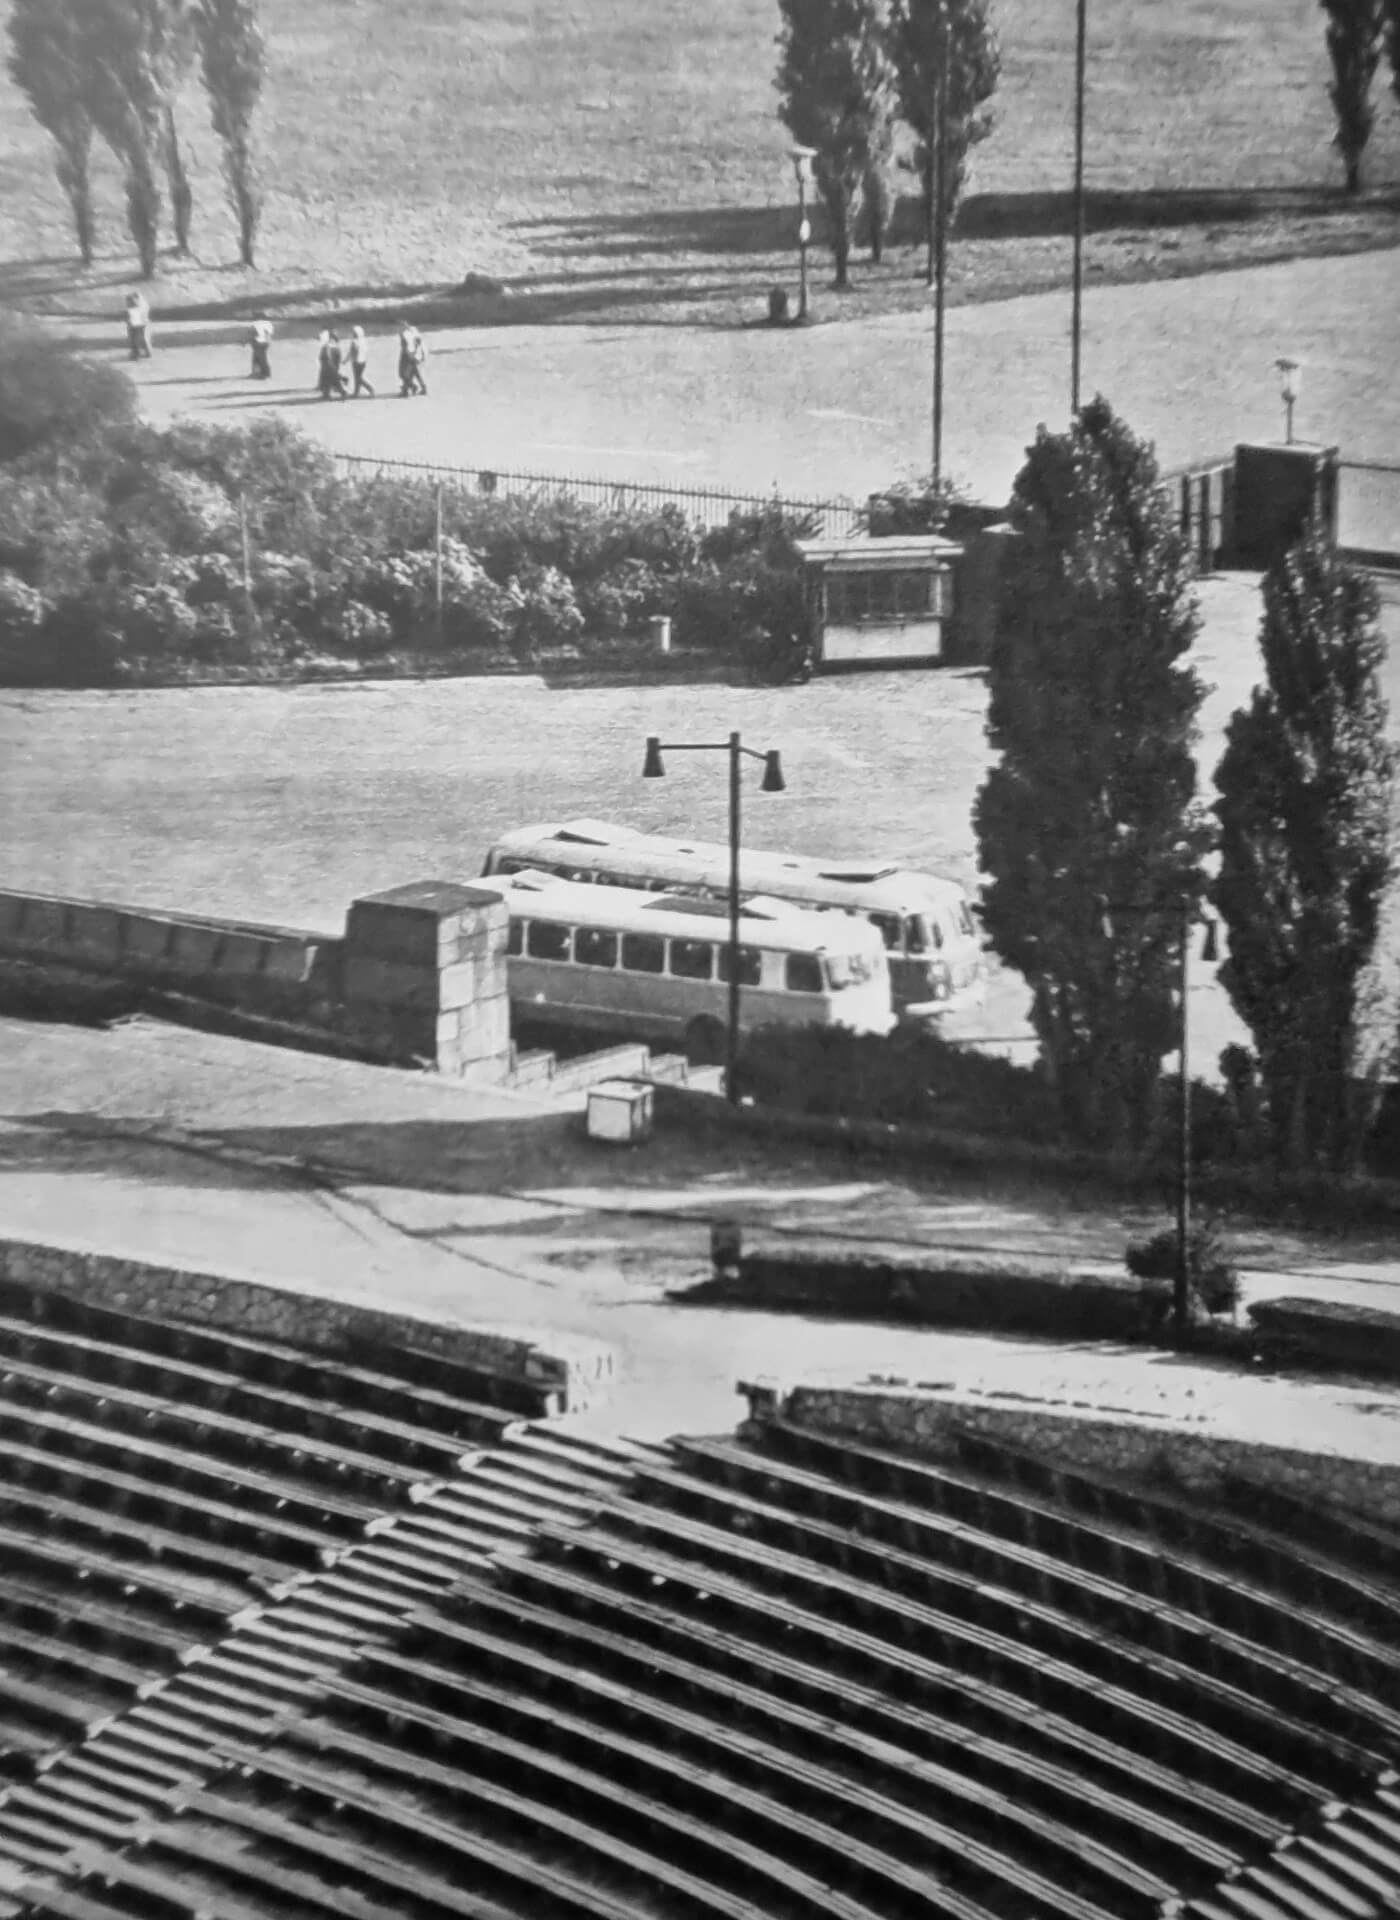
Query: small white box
{"type": "Point", "coordinates": [620, 1111]}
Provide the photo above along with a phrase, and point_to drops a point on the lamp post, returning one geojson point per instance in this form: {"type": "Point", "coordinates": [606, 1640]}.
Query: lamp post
{"type": "Point", "coordinates": [940, 238]}
{"type": "Point", "coordinates": [654, 768]}
{"type": "Point", "coordinates": [1181, 1290]}
{"type": "Point", "coordinates": [802, 158]}
{"type": "Point", "coordinates": [1081, 36]}
{"type": "Point", "coordinates": [1290, 380]}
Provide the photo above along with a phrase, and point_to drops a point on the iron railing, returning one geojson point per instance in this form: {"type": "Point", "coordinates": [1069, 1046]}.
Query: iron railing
{"type": "Point", "coordinates": [704, 506]}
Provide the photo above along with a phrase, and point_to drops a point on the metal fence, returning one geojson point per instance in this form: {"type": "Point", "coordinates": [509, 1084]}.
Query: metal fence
{"type": "Point", "coordinates": [704, 506]}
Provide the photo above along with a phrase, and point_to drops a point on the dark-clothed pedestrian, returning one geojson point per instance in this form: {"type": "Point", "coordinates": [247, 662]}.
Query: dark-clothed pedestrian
{"type": "Point", "coordinates": [332, 378]}
{"type": "Point", "coordinates": [260, 340]}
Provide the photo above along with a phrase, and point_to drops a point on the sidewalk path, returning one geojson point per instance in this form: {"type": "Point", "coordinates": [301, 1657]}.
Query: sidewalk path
{"type": "Point", "coordinates": [365, 1184]}
{"type": "Point", "coordinates": [845, 408]}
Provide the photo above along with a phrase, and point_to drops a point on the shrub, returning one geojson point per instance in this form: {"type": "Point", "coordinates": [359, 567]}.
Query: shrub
{"type": "Point", "coordinates": [911, 1076]}
{"type": "Point", "coordinates": [50, 395]}
{"type": "Point", "coordinates": [622, 599]}
{"type": "Point", "coordinates": [23, 613]}
{"type": "Point", "coordinates": [364, 631]}
{"type": "Point", "coordinates": [547, 613]}
{"type": "Point", "coordinates": [1214, 1278]}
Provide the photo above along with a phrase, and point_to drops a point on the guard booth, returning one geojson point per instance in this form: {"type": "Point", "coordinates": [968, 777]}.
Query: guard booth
{"type": "Point", "coordinates": [879, 601]}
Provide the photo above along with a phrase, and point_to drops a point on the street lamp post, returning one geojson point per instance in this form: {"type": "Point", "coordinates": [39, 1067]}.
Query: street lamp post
{"type": "Point", "coordinates": [802, 158]}
{"type": "Point", "coordinates": [1077, 314]}
{"type": "Point", "coordinates": [1290, 380]}
{"type": "Point", "coordinates": [940, 238]}
{"type": "Point", "coordinates": [654, 768]}
{"type": "Point", "coordinates": [1181, 1291]}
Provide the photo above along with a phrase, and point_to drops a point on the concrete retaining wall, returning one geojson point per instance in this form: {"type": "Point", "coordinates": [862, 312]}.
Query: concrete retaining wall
{"type": "Point", "coordinates": [574, 1371]}
{"type": "Point", "coordinates": [1141, 1450]}
{"type": "Point", "coordinates": [418, 978]}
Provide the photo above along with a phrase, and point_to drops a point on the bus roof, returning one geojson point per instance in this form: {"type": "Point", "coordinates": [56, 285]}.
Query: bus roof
{"type": "Point", "coordinates": [762, 922]}
{"type": "Point", "coordinates": [875, 884]}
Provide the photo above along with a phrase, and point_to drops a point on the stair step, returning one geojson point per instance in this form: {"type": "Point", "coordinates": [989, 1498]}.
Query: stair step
{"type": "Point", "coordinates": [470, 1536]}
{"type": "Point", "coordinates": [315, 1651]}
{"type": "Point", "coordinates": [30, 1855]}
{"type": "Point", "coordinates": [382, 1551]}
{"type": "Point", "coordinates": [588, 1456]}
{"type": "Point", "coordinates": [156, 1753]}
{"type": "Point", "coordinates": [119, 1805]}
{"type": "Point", "coordinates": [55, 1841]}
{"type": "Point", "coordinates": [546, 1488]}
{"type": "Point", "coordinates": [255, 1699]}
{"type": "Point", "coordinates": [59, 1806]}
{"type": "Point", "coordinates": [244, 1668]}
{"type": "Point", "coordinates": [118, 1779]}
{"type": "Point", "coordinates": [328, 1597]}
{"type": "Point", "coordinates": [409, 1587]}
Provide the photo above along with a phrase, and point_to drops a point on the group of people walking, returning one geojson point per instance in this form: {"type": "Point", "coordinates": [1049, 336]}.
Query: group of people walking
{"type": "Point", "coordinates": [336, 361]}
{"type": "Point", "coordinates": [342, 369]}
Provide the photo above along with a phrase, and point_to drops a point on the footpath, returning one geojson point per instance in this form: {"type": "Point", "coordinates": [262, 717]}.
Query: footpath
{"type": "Point", "coordinates": [489, 1209]}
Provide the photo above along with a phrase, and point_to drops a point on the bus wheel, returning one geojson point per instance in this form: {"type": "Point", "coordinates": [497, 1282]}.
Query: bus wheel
{"type": "Point", "coordinates": [704, 1042]}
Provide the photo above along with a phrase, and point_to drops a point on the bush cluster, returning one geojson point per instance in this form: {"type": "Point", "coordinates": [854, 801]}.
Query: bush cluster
{"type": "Point", "coordinates": [910, 1077]}
{"type": "Point", "coordinates": [130, 553]}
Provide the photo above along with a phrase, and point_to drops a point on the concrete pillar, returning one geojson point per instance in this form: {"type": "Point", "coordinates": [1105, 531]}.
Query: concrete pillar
{"type": "Point", "coordinates": [425, 976]}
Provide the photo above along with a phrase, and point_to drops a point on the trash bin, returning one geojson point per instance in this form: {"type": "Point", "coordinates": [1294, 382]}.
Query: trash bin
{"type": "Point", "coordinates": [620, 1111]}
{"type": "Point", "coordinates": [777, 306]}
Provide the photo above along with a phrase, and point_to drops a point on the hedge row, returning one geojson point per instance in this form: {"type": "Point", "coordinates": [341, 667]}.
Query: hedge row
{"type": "Point", "coordinates": [133, 554]}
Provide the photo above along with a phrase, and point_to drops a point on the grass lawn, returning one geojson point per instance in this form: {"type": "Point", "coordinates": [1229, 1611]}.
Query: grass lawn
{"type": "Point", "coordinates": [625, 160]}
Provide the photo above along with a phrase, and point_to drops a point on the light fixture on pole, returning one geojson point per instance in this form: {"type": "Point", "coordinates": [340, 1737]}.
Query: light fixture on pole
{"type": "Point", "coordinates": [1290, 381]}
{"type": "Point", "coordinates": [654, 768]}
{"type": "Point", "coordinates": [1181, 1292]}
{"type": "Point", "coordinates": [802, 158]}
{"type": "Point", "coordinates": [1076, 325]}
{"type": "Point", "coordinates": [940, 237]}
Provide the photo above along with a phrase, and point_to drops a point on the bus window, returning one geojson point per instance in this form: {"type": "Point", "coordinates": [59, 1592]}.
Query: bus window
{"type": "Point", "coordinates": [890, 930]}
{"type": "Point", "coordinates": [803, 973]}
{"type": "Point", "coordinates": [594, 948]}
{"type": "Point", "coordinates": [515, 942]}
{"type": "Point", "coordinates": [848, 970]}
{"type": "Point", "coordinates": [692, 959]}
{"type": "Point", "coordinates": [923, 934]}
{"type": "Point", "coordinates": [643, 953]}
{"type": "Point", "coordinates": [750, 966]}
{"type": "Point", "coordinates": [547, 940]}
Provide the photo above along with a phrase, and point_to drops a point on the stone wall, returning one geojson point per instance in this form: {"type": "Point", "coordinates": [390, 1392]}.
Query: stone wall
{"type": "Point", "coordinates": [573, 1371]}
{"type": "Point", "coordinates": [1139, 1449]}
{"type": "Point", "coordinates": [419, 977]}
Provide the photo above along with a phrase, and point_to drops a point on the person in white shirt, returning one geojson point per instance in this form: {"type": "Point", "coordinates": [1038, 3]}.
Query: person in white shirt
{"type": "Point", "coordinates": [260, 339]}
{"type": "Point", "coordinates": [138, 326]}
{"type": "Point", "coordinates": [359, 362]}
{"type": "Point", "coordinates": [412, 354]}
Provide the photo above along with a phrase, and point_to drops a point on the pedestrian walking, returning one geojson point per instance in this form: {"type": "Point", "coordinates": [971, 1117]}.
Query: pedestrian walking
{"type": "Point", "coordinates": [331, 382]}
{"type": "Point", "coordinates": [138, 326]}
{"type": "Point", "coordinates": [260, 339]}
{"type": "Point", "coordinates": [412, 354]}
{"type": "Point", "coordinates": [323, 363]}
{"type": "Point", "coordinates": [359, 362]}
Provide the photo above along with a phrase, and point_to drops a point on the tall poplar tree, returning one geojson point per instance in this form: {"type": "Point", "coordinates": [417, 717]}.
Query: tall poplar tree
{"type": "Point", "coordinates": [48, 63]}
{"type": "Point", "coordinates": [924, 36]}
{"type": "Point", "coordinates": [1086, 823]}
{"type": "Point", "coordinates": [1355, 29]}
{"type": "Point", "coordinates": [233, 57]}
{"type": "Point", "coordinates": [836, 83]}
{"type": "Point", "coordinates": [1306, 790]}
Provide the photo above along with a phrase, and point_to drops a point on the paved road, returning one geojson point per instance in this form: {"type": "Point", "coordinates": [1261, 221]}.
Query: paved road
{"type": "Point", "coordinates": [481, 1209]}
{"type": "Point", "coordinates": [844, 408]}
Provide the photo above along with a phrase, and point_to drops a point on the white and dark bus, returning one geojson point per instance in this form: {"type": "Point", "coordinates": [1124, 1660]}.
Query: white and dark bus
{"type": "Point", "coordinates": [931, 940]}
{"type": "Point", "coordinates": [653, 966]}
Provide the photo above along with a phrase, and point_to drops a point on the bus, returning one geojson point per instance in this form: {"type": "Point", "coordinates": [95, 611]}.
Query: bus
{"type": "Point", "coordinates": [931, 941]}
{"type": "Point", "coordinates": [654, 966]}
